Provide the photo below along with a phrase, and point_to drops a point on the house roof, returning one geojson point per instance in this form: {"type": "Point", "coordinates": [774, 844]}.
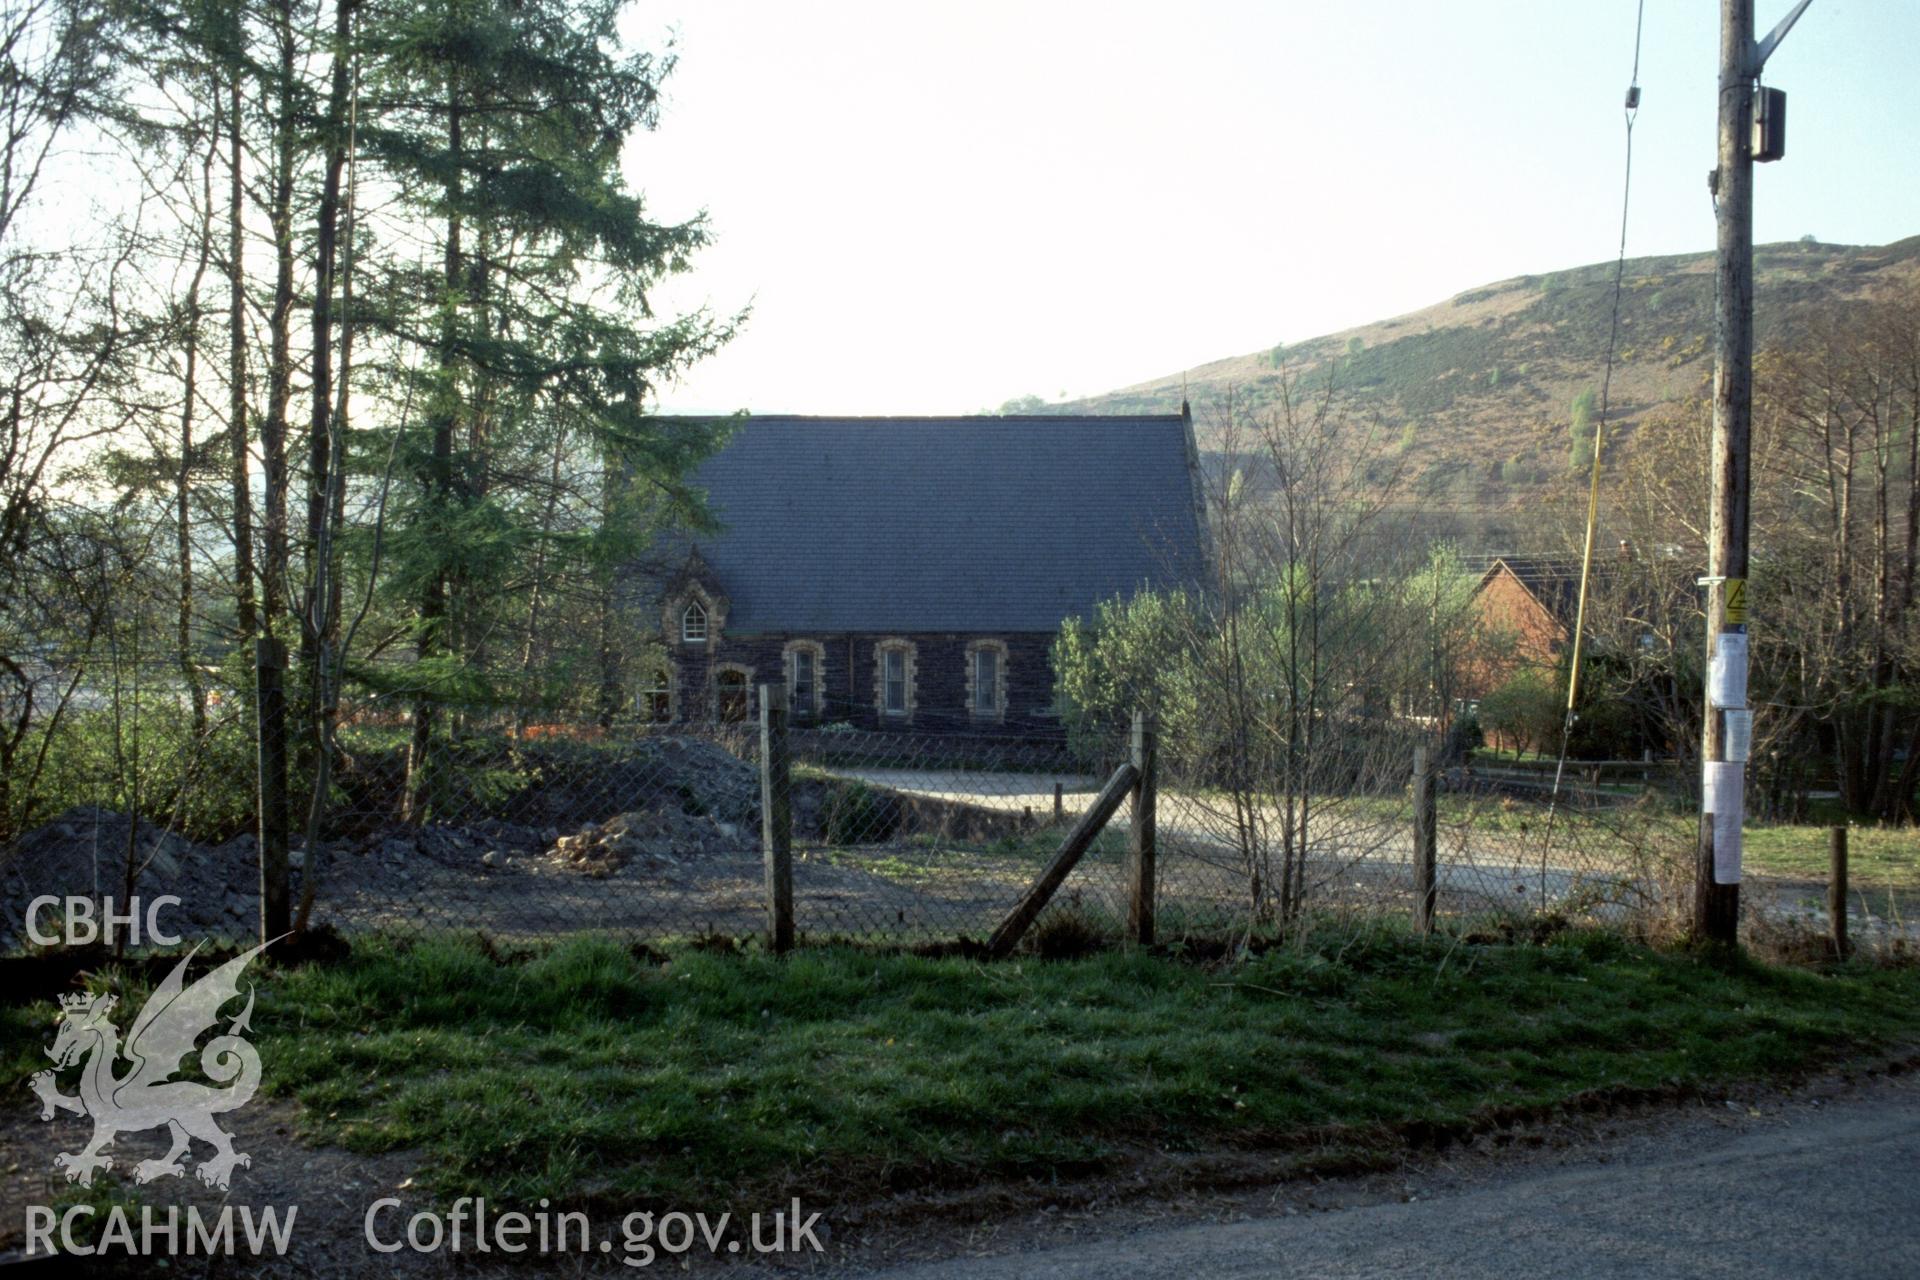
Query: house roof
{"type": "Point", "coordinates": [961, 524]}
{"type": "Point", "coordinates": [1553, 580]}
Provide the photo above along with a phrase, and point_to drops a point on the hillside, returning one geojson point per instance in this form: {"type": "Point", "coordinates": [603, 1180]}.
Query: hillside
{"type": "Point", "coordinates": [1476, 391]}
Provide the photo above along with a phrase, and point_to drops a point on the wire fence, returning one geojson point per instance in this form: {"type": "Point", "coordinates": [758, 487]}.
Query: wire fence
{"type": "Point", "coordinates": [931, 835]}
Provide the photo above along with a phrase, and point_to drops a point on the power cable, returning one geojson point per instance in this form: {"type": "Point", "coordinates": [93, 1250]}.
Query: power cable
{"type": "Point", "coordinates": [1599, 441]}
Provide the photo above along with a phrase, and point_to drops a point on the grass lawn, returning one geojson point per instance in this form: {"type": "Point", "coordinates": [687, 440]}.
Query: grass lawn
{"type": "Point", "coordinates": [1877, 857]}
{"type": "Point", "coordinates": [588, 1074]}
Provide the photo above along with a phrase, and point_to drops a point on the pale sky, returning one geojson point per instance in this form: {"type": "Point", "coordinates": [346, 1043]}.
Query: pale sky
{"type": "Point", "coordinates": [933, 208]}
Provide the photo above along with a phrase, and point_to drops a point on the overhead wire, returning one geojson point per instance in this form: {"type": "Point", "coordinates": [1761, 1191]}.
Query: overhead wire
{"type": "Point", "coordinates": [1632, 111]}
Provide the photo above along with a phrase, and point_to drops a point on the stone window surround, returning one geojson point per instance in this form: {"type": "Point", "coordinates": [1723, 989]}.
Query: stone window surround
{"type": "Point", "coordinates": [688, 621]}
{"type": "Point", "coordinates": [880, 648]}
{"type": "Point", "coordinates": [673, 618]}
{"type": "Point", "coordinates": [668, 672]}
{"type": "Point", "coordinates": [999, 649]}
{"type": "Point", "coordinates": [730, 668]}
{"type": "Point", "coordinates": [819, 654]}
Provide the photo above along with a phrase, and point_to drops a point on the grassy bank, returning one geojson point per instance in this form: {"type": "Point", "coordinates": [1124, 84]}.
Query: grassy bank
{"type": "Point", "coordinates": [589, 1074]}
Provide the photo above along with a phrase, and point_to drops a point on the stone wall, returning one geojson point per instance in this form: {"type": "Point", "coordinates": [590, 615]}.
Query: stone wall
{"type": "Point", "coordinates": [939, 673]}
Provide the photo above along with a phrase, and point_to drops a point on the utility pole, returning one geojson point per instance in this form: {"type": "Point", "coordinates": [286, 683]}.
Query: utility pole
{"type": "Point", "coordinates": [1728, 723]}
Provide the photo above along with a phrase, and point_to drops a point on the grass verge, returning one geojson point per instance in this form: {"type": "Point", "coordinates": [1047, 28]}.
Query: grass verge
{"type": "Point", "coordinates": [591, 1075]}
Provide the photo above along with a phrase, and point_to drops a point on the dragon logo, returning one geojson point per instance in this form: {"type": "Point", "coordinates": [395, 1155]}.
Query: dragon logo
{"type": "Point", "coordinates": [145, 1096]}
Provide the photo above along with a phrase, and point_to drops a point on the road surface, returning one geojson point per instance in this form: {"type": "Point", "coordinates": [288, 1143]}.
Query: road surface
{"type": "Point", "coordinates": [1812, 1189]}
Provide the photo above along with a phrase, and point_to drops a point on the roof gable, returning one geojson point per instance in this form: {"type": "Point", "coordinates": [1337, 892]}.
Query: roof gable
{"type": "Point", "coordinates": [961, 524]}
{"type": "Point", "coordinates": [1553, 582]}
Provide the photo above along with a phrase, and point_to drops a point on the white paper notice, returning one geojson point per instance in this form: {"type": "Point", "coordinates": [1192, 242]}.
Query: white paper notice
{"type": "Point", "coordinates": [1739, 739]}
{"type": "Point", "coordinates": [1727, 673]}
{"type": "Point", "coordinates": [1724, 785]}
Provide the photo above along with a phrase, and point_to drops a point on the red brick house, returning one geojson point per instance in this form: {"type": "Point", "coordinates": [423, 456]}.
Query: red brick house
{"type": "Point", "coordinates": [1532, 602]}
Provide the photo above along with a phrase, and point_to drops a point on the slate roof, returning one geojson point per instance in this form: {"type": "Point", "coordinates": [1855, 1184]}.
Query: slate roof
{"type": "Point", "coordinates": [1553, 580]}
{"type": "Point", "coordinates": [964, 524]}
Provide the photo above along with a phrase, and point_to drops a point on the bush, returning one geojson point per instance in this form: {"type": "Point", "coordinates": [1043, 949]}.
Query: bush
{"type": "Point", "coordinates": [1464, 735]}
{"type": "Point", "coordinates": [1526, 710]}
{"type": "Point", "coordinates": [858, 814]}
{"type": "Point", "coordinates": [201, 787]}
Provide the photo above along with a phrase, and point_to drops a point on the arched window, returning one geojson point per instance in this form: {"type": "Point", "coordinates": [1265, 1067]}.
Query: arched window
{"type": "Point", "coordinates": [657, 697]}
{"type": "Point", "coordinates": [730, 695]}
{"type": "Point", "coordinates": [806, 662]}
{"type": "Point", "coordinates": [987, 679]}
{"type": "Point", "coordinates": [693, 623]}
{"type": "Point", "coordinates": [893, 678]}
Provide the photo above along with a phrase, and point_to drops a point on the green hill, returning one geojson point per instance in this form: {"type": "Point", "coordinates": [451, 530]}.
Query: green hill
{"type": "Point", "coordinates": [1475, 393]}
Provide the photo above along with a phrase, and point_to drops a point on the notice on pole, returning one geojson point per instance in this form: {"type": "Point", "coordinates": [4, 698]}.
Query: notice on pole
{"type": "Point", "coordinates": [1724, 796]}
{"type": "Point", "coordinates": [1736, 601]}
{"type": "Point", "coordinates": [1739, 735]}
{"type": "Point", "coordinates": [1727, 673]}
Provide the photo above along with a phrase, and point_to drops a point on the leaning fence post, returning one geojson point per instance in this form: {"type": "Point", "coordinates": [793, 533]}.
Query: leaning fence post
{"type": "Point", "coordinates": [1142, 831]}
{"type": "Point", "coordinates": [776, 815]}
{"type": "Point", "coordinates": [1837, 890]}
{"type": "Point", "coordinates": [1021, 918]}
{"type": "Point", "coordinates": [270, 662]}
{"type": "Point", "coordinates": [1426, 889]}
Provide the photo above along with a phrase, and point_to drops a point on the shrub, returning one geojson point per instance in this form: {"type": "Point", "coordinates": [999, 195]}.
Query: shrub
{"type": "Point", "coordinates": [858, 814]}
{"type": "Point", "coordinates": [153, 763]}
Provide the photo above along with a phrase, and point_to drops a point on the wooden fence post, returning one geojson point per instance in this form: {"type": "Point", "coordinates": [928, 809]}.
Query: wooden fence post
{"type": "Point", "coordinates": [1059, 802]}
{"type": "Point", "coordinates": [1142, 846]}
{"type": "Point", "coordinates": [1837, 890]}
{"type": "Point", "coordinates": [776, 815]}
{"type": "Point", "coordinates": [270, 664]}
{"type": "Point", "coordinates": [1426, 889]}
{"type": "Point", "coordinates": [1105, 805]}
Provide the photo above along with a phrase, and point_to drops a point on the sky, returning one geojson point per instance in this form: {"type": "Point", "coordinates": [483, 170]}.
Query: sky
{"type": "Point", "coordinates": [935, 208]}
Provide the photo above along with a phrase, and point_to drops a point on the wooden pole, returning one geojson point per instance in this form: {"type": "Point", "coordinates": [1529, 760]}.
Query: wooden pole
{"type": "Point", "coordinates": [1706, 906]}
{"type": "Point", "coordinates": [1059, 802]}
{"type": "Point", "coordinates": [270, 664]}
{"type": "Point", "coordinates": [776, 815]}
{"type": "Point", "coordinates": [1142, 832]}
{"type": "Point", "coordinates": [1837, 890]}
{"type": "Point", "coordinates": [1078, 840]}
{"type": "Point", "coordinates": [1426, 888]}
{"type": "Point", "coordinates": [1717, 891]}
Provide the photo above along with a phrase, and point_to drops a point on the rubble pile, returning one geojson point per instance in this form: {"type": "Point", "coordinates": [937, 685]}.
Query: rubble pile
{"type": "Point", "coordinates": [660, 837]}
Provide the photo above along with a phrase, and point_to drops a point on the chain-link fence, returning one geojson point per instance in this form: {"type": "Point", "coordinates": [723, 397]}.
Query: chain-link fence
{"type": "Point", "coordinates": [523, 829]}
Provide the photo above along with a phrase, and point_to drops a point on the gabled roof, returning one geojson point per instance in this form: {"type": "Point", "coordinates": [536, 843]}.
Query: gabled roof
{"type": "Point", "coordinates": [1553, 580]}
{"type": "Point", "coordinates": [961, 524]}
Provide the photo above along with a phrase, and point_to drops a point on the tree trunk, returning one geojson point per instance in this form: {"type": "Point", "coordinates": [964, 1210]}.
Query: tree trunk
{"type": "Point", "coordinates": [273, 427]}
{"type": "Point", "coordinates": [183, 474]}
{"type": "Point", "coordinates": [443, 417]}
{"type": "Point", "coordinates": [243, 598]}
{"type": "Point", "coordinates": [320, 442]}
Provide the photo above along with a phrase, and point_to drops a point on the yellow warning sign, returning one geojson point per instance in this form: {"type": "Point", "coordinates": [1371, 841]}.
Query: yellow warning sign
{"type": "Point", "coordinates": [1736, 601]}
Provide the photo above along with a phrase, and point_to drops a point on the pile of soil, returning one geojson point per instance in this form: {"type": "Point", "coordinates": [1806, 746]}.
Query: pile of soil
{"type": "Point", "coordinates": [673, 799]}
{"type": "Point", "coordinates": [85, 852]}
